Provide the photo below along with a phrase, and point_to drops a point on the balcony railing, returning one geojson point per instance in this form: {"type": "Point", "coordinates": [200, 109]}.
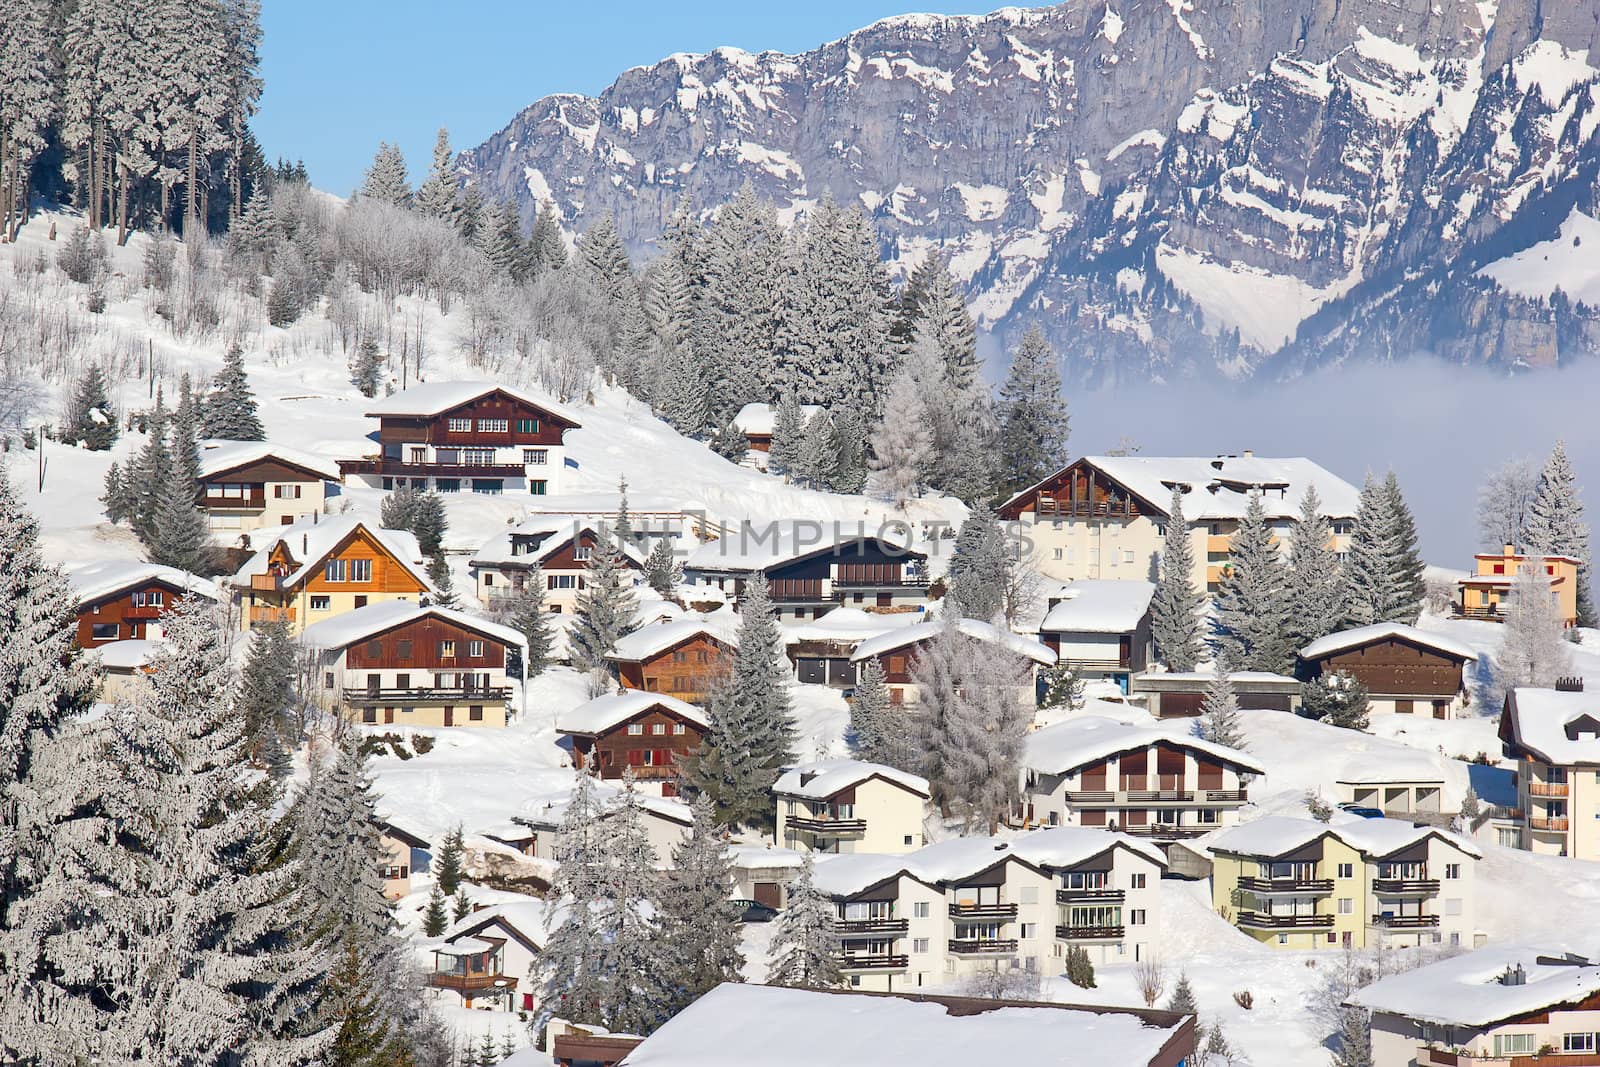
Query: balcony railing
{"type": "Point", "coordinates": [1405, 885]}
{"type": "Point", "coordinates": [1406, 922]}
{"type": "Point", "coordinates": [427, 695]}
{"type": "Point", "coordinates": [1555, 825]}
{"type": "Point", "coordinates": [262, 614]}
{"type": "Point", "coordinates": [852, 927]}
{"type": "Point", "coordinates": [906, 581]}
{"type": "Point", "coordinates": [1166, 830]}
{"type": "Point", "coordinates": [1089, 933]}
{"type": "Point", "coordinates": [1155, 797]}
{"type": "Point", "coordinates": [1258, 921]}
{"type": "Point", "coordinates": [1492, 613]}
{"type": "Point", "coordinates": [403, 468]}
{"type": "Point", "coordinates": [1547, 789]}
{"type": "Point", "coordinates": [1049, 508]}
{"type": "Point", "coordinates": [1301, 886]}
{"type": "Point", "coordinates": [266, 583]}
{"type": "Point", "coordinates": [828, 827]}
{"type": "Point", "coordinates": [982, 946]}
{"type": "Point", "coordinates": [253, 502]}
{"type": "Point", "coordinates": [874, 963]}
{"type": "Point", "coordinates": [470, 983]}
{"type": "Point", "coordinates": [1090, 896]}
{"type": "Point", "coordinates": [1002, 912]}
{"type": "Point", "coordinates": [1438, 1057]}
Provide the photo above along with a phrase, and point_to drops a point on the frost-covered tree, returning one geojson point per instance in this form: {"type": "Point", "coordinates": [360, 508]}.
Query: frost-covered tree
{"type": "Point", "coordinates": [631, 955]}
{"type": "Point", "coordinates": [449, 866]}
{"type": "Point", "coordinates": [229, 412]}
{"type": "Point", "coordinates": [1370, 591]}
{"type": "Point", "coordinates": [662, 569]}
{"type": "Point", "coordinates": [444, 585]}
{"type": "Point", "coordinates": [805, 946]}
{"type": "Point", "coordinates": [118, 495]}
{"type": "Point", "coordinates": [1182, 1000]}
{"type": "Point", "coordinates": [902, 447]}
{"type": "Point", "coordinates": [1504, 501]}
{"type": "Point", "coordinates": [266, 696]}
{"type": "Point", "coordinates": [1219, 713]}
{"type": "Point", "coordinates": [569, 963]}
{"type": "Point", "coordinates": [849, 474]}
{"type": "Point", "coordinates": [788, 435]}
{"type": "Point", "coordinates": [398, 511]}
{"type": "Point", "coordinates": [366, 369]}
{"type": "Point", "coordinates": [1252, 608]}
{"type": "Point", "coordinates": [1175, 608]}
{"type": "Point", "coordinates": [1063, 686]}
{"type": "Point", "coordinates": [180, 535]}
{"type": "Point", "coordinates": [699, 925]}
{"type": "Point", "coordinates": [1555, 522]}
{"type": "Point", "coordinates": [1533, 652]}
{"type": "Point", "coordinates": [869, 708]}
{"type": "Point", "coordinates": [438, 197]}
{"type": "Point", "coordinates": [430, 523]}
{"type": "Point", "coordinates": [500, 240]}
{"type": "Point", "coordinates": [29, 101]}
{"type": "Point", "coordinates": [341, 857]}
{"type": "Point", "coordinates": [604, 610]}
{"type": "Point", "coordinates": [529, 618]}
{"type": "Point", "coordinates": [386, 179]}
{"type": "Point", "coordinates": [979, 566]}
{"type": "Point", "coordinates": [90, 420]}
{"type": "Point", "coordinates": [681, 395]}
{"type": "Point", "coordinates": [1316, 586]}
{"type": "Point", "coordinates": [1405, 557]}
{"type": "Point", "coordinates": [1033, 415]}
{"type": "Point", "coordinates": [818, 457]}
{"type": "Point", "coordinates": [1354, 1039]}
{"type": "Point", "coordinates": [931, 303]}
{"type": "Point", "coordinates": [149, 474]}
{"type": "Point", "coordinates": [1337, 698]}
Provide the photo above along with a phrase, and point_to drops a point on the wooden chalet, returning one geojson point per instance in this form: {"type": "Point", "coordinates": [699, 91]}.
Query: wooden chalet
{"type": "Point", "coordinates": [123, 600]}
{"type": "Point", "coordinates": [651, 733]}
{"type": "Point", "coordinates": [1405, 670]}
{"type": "Point", "coordinates": [682, 658]}
{"type": "Point", "coordinates": [896, 653]}
{"type": "Point", "coordinates": [247, 485]}
{"type": "Point", "coordinates": [559, 547]}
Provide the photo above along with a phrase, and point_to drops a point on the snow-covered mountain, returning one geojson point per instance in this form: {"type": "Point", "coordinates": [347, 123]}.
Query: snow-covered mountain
{"type": "Point", "coordinates": [1175, 188]}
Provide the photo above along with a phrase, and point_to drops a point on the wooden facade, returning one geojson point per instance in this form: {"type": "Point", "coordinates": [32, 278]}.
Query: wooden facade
{"type": "Point", "coordinates": [654, 751]}
{"type": "Point", "coordinates": [1395, 668]}
{"type": "Point", "coordinates": [436, 429]}
{"type": "Point", "coordinates": [387, 574]}
{"type": "Point", "coordinates": [126, 615]}
{"type": "Point", "coordinates": [427, 645]}
{"type": "Point", "coordinates": [687, 670]}
{"type": "Point", "coordinates": [1078, 491]}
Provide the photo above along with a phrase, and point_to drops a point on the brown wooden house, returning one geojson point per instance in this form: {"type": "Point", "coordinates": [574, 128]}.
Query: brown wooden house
{"type": "Point", "coordinates": [559, 547]}
{"type": "Point", "coordinates": [1405, 670]}
{"type": "Point", "coordinates": [123, 600]}
{"type": "Point", "coordinates": [650, 733]}
{"type": "Point", "coordinates": [896, 653]}
{"type": "Point", "coordinates": [682, 658]}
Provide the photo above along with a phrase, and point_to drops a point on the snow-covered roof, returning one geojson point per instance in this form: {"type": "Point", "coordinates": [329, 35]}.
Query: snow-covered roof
{"type": "Point", "coordinates": [655, 639]}
{"type": "Point", "coordinates": [1344, 640]}
{"type": "Point", "coordinates": [734, 1026]}
{"type": "Point", "coordinates": [855, 872]}
{"type": "Point", "coordinates": [310, 541]}
{"type": "Point", "coordinates": [925, 631]}
{"type": "Point", "coordinates": [1393, 766]}
{"type": "Point", "coordinates": [763, 418]}
{"type": "Point", "coordinates": [826, 778]}
{"type": "Point", "coordinates": [548, 809]}
{"type": "Point", "coordinates": [613, 709]}
{"type": "Point", "coordinates": [530, 918]}
{"type": "Point", "coordinates": [754, 546]}
{"type": "Point", "coordinates": [219, 456]}
{"type": "Point", "coordinates": [1187, 680]}
{"type": "Point", "coordinates": [557, 531]}
{"type": "Point", "coordinates": [464, 946]}
{"type": "Point", "coordinates": [847, 624]}
{"type": "Point", "coordinates": [1557, 726]}
{"type": "Point", "coordinates": [104, 578]}
{"type": "Point", "coordinates": [1277, 835]}
{"type": "Point", "coordinates": [1467, 990]}
{"type": "Point", "coordinates": [1055, 847]}
{"type": "Point", "coordinates": [436, 398]}
{"type": "Point", "coordinates": [1086, 739]}
{"type": "Point", "coordinates": [1098, 605]}
{"type": "Point", "coordinates": [127, 655]}
{"type": "Point", "coordinates": [349, 627]}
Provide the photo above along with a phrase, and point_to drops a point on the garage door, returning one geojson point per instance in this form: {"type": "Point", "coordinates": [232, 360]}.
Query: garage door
{"type": "Point", "coordinates": [812, 671]}
{"type": "Point", "coordinates": [769, 894]}
{"type": "Point", "coordinates": [1175, 705]}
{"type": "Point", "coordinates": [841, 672]}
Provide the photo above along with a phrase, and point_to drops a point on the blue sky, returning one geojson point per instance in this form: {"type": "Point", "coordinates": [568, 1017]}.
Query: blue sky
{"type": "Point", "coordinates": [342, 75]}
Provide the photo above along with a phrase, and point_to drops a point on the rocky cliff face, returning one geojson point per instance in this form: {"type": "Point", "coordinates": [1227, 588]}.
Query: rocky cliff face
{"type": "Point", "coordinates": [1174, 188]}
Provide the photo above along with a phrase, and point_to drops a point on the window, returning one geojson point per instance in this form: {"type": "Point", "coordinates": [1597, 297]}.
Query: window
{"type": "Point", "coordinates": [1029, 931]}
{"type": "Point", "coordinates": [104, 631]}
{"type": "Point", "coordinates": [286, 492]}
{"type": "Point", "coordinates": [1347, 870]}
{"type": "Point", "coordinates": [1403, 707]}
{"type": "Point", "coordinates": [491, 425]}
{"type": "Point", "coordinates": [635, 729]}
{"type": "Point", "coordinates": [460, 425]}
{"type": "Point", "coordinates": [321, 603]}
{"type": "Point", "coordinates": [908, 839]}
{"type": "Point", "coordinates": [327, 679]}
{"type": "Point", "coordinates": [369, 714]}
{"type": "Point", "coordinates": [561, 581]}
{"type": "Point", "coordinates": [1056, 553]}
{"type": "Point", "coordinates": [1515, 1044]}
{"type": "Point", "coordinates": [402, 649]}
{"type": "Point", "coordinates": [447, 650]}
{"type": "Point", "coordinates": [361, 570]}
{"type": "Point", "coordinates": [475, 649]}
{"type": "Point", "coordinates": [1127, 555]}
{"type": "Point", "coordinates": [1577, 1042]}
{"type": "Point", "coordinates": [1347, 906]}
{"type": "Point", "coordinates": [447, 485]}
{"type": "Point", "coordinates": [475, 712]}
{"type": "Point", "coordinates": [536, 487]}
{"type": "Point", "coordinates": [374, 649]}
{"type": "Point", "coordinates": [919, 944]}
{"type": "Point", "coordinates": [581, 553]}
{"type": "Point", "coordinates": [535, 457]}
{"type": "Point", "coordinates": [658, 728]}
{"type": "Point", "coordinates": [528, 426]}
{"type": "Point", "coordinates": [1283, 939]}
{"type": "Point", "coordinates": [1138, 881]}
{"type": "Point", "coordinates": [919, 910]}
{"type": "Point", "coordinates": [334, 570]}
{"type": "Point", "coordinates": [677, 728]}
{"type": "Point", "coordinates": [1135, 916]}
{"type": "Point", "coordinates": [1452, 870]}
{"type": "Point", "coordinates": [1206, 815]}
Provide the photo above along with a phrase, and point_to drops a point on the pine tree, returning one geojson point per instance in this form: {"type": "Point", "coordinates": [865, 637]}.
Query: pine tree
{"type": "Point", "coordinates": [470, 221]}
{"type": "Point", "coordinates": [430, 523]}
{"type": "Point", "coordinates": [1219, 713]}
{"type": "Point", "coordinates": [181, 535]}
{"type": "Point", "coordinates": [1217, 1050]}
{"type": "Point", "coordinates": [805, 947]}
{"type": "Point", "coordinates": [364, 1036]}
{"type": "Point", "coordinates": [530, 619]}
{"type": "Point", "coordinates": [1316, 586]}
{"type": "Point", "coordinates": [448, 864]}
{"type": "Point", "coordinates": [1183, 1001]}
{"type": "Point", "coordinates": [118, 497]}
{"type": "Point", "coordinates": [1355, 1038]}
{"type": "Point", "coordinates": [366, 372]}
{"type": "Point", "coordinates": [604, 608]}
{"type": "Point", "coordinates": [1405, 559]}
{"type": "Point", "coordinates": [930, 302]}
{"type": "Point", "coordinates": [546, 244]}
{"type": "Point", "coordinates": [229, 413]}
{"type": "Point", "coordinates": [903, 446]}
{"type": "Point", "coordinates": [975, 582]}
{"type": "Point", "coordinates": [849, 474]}
{"type": "Point", "coordinates": [151, 474]}
{"type": "Point", "coordinates": [90, 420]}
{"type": "Point", "coordinates": [1532, 652]}
{"type": "Point", "coordinates": [700, 927]}
{"type": "Point", "coordinates": [730, 442]}
{"type": "Point", "coordinates": [460, 905]}
{"type": "Point", "coordinates": [399, 509]}
{"type": "Point", "coordinates": [1033, 415]}
{"type": "Point", "coordinates": [436, 917]}
{"type": "Point", "coordinates": [386, 179]}
{"type": "Point", "coordinates": [869, 708]}
{"type": "Point", "coordinates": [662, 569]}
{"type": "Point", "coordinates": [444, 586]}
{"type": "Point", "coordinates": [573, 978]}
{"type": "Point", "coordinates": [818, 456]}
{"type": "Point", "coordinates": [1175, 608]}
{"type": "Point", "coordinates": [1252, 608]}
{"type": "Point", "coordinates": [1336, 698]}
{"type": "Point", "coordinates": [1063, 686]}
{"type": "Point", "coordinates": [633, 956]}
{"type": "Point", "coordinates": [266, 696]}
{"type": "Point", "coordinates": [682, 398]}
{"type": "Point", "coordinates": [341, 856]}
{"type": "Point", "coordinates": [788, 434]}
{"type": "Point", "coordinates": [500, 239]}
{"type": "Point", "coordinates": [1370, 593]}
{"type": "Point", "coordinates": [438, 196]}
{"type": "Point", "coordinates": [1555, 523]}
{"type": "Point", "coordinates": [29, 99]}
{"type": "Point", "coordinates": [1079, 967]}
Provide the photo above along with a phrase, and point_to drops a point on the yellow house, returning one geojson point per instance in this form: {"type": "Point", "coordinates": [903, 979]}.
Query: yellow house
{"type": "Point", "coordinates": [844, 805]}
{"type": "Point", "coordinates": [1306, 885]}
{"type": "Point", "coordinates": [315, 570]}
{"type": "Point", "coordinates": [1483, 594]}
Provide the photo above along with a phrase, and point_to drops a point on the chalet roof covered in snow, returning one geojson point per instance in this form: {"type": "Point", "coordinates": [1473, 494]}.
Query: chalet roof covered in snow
{"type": "Point", "coordinates": [1276, 835]}
{"type": "Point", "coordinates": [925, 631]}
{"type": "Point", "coordinates": [127, 655]}
{"type": "Point", "coordinates": [855, 872]}
{"type": "Point", "coordinates": [1068, 745]}
{"type": "Point", "coordinates": [826, 778]}
{"type": "Point", "coordinates": [734, 1026]}
{"type": "Point", "coordinates": [1097, 605]}
{"type": "Point", "coordinates": [104, 578]}
{"type": "Point", "coordinates": [554, 531]}
{"type": "Point", "coordinates": [611, 710]}
{"type": "Point", "coordinates": [1559, 727]}
{"type": "Point", "coordinates": [219, 457]}
{"type": "Point", "coordinates": [1471, 990]}
{"type": "Point", "coordinates": [526, 920]}
{"type": "Point", "coordinates": [846, 624]}
{"type": "Point", "coordinates": [1360, 636]}
{"type": "Point", "coordinates": [359, 624]}
{"type": "Point", "coordinates": [1068, 846]}
{"type": "Point", "coordinates": [762, 419]}
{"type": "Point", "coordinates": [436, 398]}
{"type": "Point", "coordinates": [648, 641]}
{"type": "Point", "coordinates": [754, 546]}
{"type": "Point", "coordinates": [309, 542]}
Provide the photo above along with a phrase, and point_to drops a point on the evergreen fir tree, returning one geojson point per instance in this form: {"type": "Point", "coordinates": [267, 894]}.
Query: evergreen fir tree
{"type": "Point", "coordinates": [1336, 698]}
{"type": "Point", "coordinates": [181, 535]}
{"type": "Point", "coordinates": [1555, 523]}
{"type": "Point", "coordinates": [683, 399]}
{"type": "Point", "coordinates": [90, 420]}
{"type": "Point", "coordinates": [1175, 608]}
{"type": "Point", "coordinates": [869, 708]}
{"type": "Point", "coordinates": [117, 497]}
{"type": "Point", "coordinates": [975, 581]}
{"type": "Point", "coordinates": [1219, 713]}
{"type": "Point", "coordinates": [341, 858]}
{"type": "Point", "coordinates": [1370, 592]}
{"type": "Point", "coordinates": [818, 456]}
{"type": "Point", "coordinates": [530, 619]}
{"type": "Point", "coordinates": [805, 946]}
{"type": "Point", "coordinates": [1532, 652]}
{"type": "Point", "coordinates": [730, 442]}
{"type": "Point", "coordinates": [931, 303]}
{"type": "Point", "coordinates": [266, 695]}
{"type": "Point", "coordinates": [849, 474]}
{"type": "Point", "coordinates": [573, 978]}
{"type": "Point", "coordinates": [903, 445]}
{"type": "Point", "coordinates": [1063, 687]}
{"type": "Point", "coordinates": [430, 523]}
{"type": "Point", "coordinates": [633, 956]}
{"type": "Point", "coordinates": [1316, 586]}
{"type": "Point", "coordinates": [1252, 609]}
{"type": "Point", "coordinates": [788, 435]}
{"type": "Point", "coordinates": [436, 917]}
{"type": "Point", "coordinates": [386, 179]}
{"type": "Point", "coordinates": [448, 864]}
{"type": "Point", "coordinates": [604, 608]}
{"type": "Point", "coordinates": [399, 509]}
{"type": "Point", "coordinates": [366, 371]}
{"type": "Point", "coordinates": [1183, 1001]}
{"type": "Point", "coordinates": [364, 1036]}
{"type": "Point", "coordinates": [460, 905]}
{"type": "Point", "coordinates": [444, 587]}
{"type": "Point", "coordinates": [1355, 1038]}
{"type": "Point", "coordinates": [438, 196]}
{"type": "Point", "coordinates": [546, 244]}
{"type": "Point", "coordinates": [1033, 415]}
{"type": "Point", "coordinates": [662, 569]}
{"type": "Point", "coordinates": [700, 927]}
{"type": "Point", "coordinates": [500, 239]}
{"type": "Point", "coordinates": [1079, 967]}
{"type": "Point", "coordinates": [229, 412]}
{"type": "Point", "coordinates": [1405, 559]}
{"type": "Point", "coordinates": [470, 220]}
{"type": "Point", "coordinates": [1217, 1050]}
{"type": "Point", "coordinates": [151, 475]}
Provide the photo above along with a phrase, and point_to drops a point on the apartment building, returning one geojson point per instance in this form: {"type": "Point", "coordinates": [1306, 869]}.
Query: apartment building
{"type": "Point", "coordinates": [459, 437]}
{"type": "Point", "coordinates": [315, 570]}
{"type": "Point", "coordinates": [1101, 628]}
{"type": "Point", "coordinates": [683, 658]}
{"type": "Point", "coordinates": [1105, 516]}
{"type": "Point", "coordinates": [1496, 1007]}
{"type": "Point", "coordinates": [846, 805]}
{"type": "Point", "coordinates": [979, 903]}
{"type": "Point", "coordinates": [246, 485]}
{"type": "Point", "coordinates": [558, 547]}
{"type": "Point", "coordinates": [1483, 594]}
{"type": "Point", "coordinates": [896, 653]}
{"type": "Point", "coordinates": [124, 599]}
{"type": "Point", "coordinates": [1366, 883]}
{"type": "Point", "coordinates": [1554, 735]}
{"type": "Point", "coordinates": [1406, 671]}
{"type": "Point", "coordinates": [1153, 783]}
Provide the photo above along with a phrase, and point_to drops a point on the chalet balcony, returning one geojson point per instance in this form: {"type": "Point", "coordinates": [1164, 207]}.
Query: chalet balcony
{"type": "Point", "coordinates": [1294, 886]}
{"type": "Point", "coordinates": [1406, 922]}
{"type": "Point", "coordinates": [1549, 825]}
{"type": "Point", "coordinates": [1002, 912]}
{"type": "Point", "coordinates": [791, 590]}
{"type": "Point", "coordinates": [1092, 798]}
{"type": "Point", "coordinates": [1492, 613]}
{"type": "Point", "coordinates": [1438, 1057]}
{"type": "Point", "coordinates": [427, 696]}
{"type": "Point", "coordinates": [1090, 896]}
{"type": "Point", "coordinates": [855, 927]}
{"type": "Point", "coordinates": [143, 611]}
{"type": "Point", "coordinates": [849, 962]}
{"type": "Point", "coordinates": [1095, 664]}
{"type": "Point", "coordinates": [266, 583]}
{"type": "Point", "coordinates": [248, 502]}
{"type": "Point", "coordinates": [1047, 507]}
{"type": "Point", "coordinates": [982, 946]}
{"type": "Point", "coordinates": [906, 581]}
{"type": "Point", "coordinates": [260, 614]}
{"type": "Point", "coordinates": [1405, 886]}
{"type": "Point", "coordinates": [1547, 789]}
{"type": "Point", "coordinates": [828, 827]}
{"type": "Point", "coordinates": [386, 467]}
{"type": "Point", "coordinates": [472, 983]}
{"type": "Point", "coordinates": [1256, 920]}
{"type": "Point", "coordinates": [1089, 933]}
{"type": "Point", "coordinates": [1166, 831]}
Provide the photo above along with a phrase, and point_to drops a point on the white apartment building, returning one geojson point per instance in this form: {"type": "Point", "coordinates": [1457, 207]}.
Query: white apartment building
{"type": "Point", "coordinates": [1554, 735]}
{"type": "Point", "coordinates": [846, 805]}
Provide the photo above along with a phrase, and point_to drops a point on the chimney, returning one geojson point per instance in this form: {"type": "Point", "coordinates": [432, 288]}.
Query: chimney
{"type": "Point", "coordinates": [1248, 453]}
{"type": "Point", "coordinates": [1514, 975]}
{"type": "Point", "coordinates": [305, 543]}
{"type": "Point", "coordinates": [1509, 550]}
